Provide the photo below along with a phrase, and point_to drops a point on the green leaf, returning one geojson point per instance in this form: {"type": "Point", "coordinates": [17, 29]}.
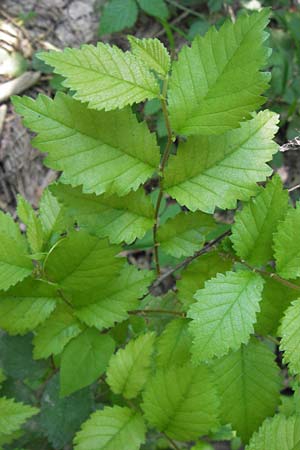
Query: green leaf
{"type": "Point", "coordinates": [15, 264]}
{"type": "Point", "coordinates": [181, 402]}
{"type": "Point", "coordinates": [104, 152]}
{"type": "Point", "coordinates": [194, 276]}
{"type": "Point", "coordinates": [290, 333]}
{"type": "Point", "coordinates": [103, 76]}
{"type": "Point", "coordinates": [153, 53]}
{"type": "Point", "coordinates": [226, 168]}
{"type": "Point", "coordinates": [173, 346]}
{"type": "Point", "coordinates": [276, 297]}
{"type": "Point", "coordinates": [277, 433]}
{"type": "Point", "coordinates": [56, 332]}
{"type": "Point", "coordinates": [185, 233]}
{"type": "Point", "coordinates": [129, 368]}
{"type": "Point", "coordinates": [252, 233]}
{"type": "Point", "coordinates": [118, 15]}
{"type": "Point", "coordinates": [110, 429]}
{"type": "Point", "coordinates": [120, 219]}
{"type": "Point", "coordinates": [80, 262]}
{"type": "Point", "coordinates": [249, 387]}
{"type": "Point", "coordinates": [13, 415]}
{"type": "Point", "coordinates": [52, 215]}
{"type": "Point", "coordinates": [16, 359]}
{"type": "Point", "coordinates": [61, 417]}
{"type": "Point", "coordinates": [84, 359]}
{"type": "Point", "coordinates": [33, 225]}
{"type": "Point", "coordinates": [156, 8]}
{"type": "Point", "coordinates": [224, 313]}
{"type": "Point", "coordinates": [114, 300]}
{"type": "Point", "coordinates": [287, 244]}
{"type": "Point", "coordinates": [216, 83]}
{"type": "Point", "coordinates": [26, 305]}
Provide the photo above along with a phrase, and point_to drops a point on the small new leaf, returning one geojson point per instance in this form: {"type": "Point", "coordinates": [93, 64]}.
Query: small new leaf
{"type": "Point", "coordinates": [153, 53]}
{"type": "Point", "coordinates": [129, 368]}
{"type": "Point", "coordinates": [173, 345]}
{"type": "Point", "coordinates": [224, 314]}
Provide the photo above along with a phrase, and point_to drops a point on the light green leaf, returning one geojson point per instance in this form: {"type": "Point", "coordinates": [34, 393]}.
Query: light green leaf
{"type": "Point", "coordinates": [103, 76]}
{"type": "Point", "coordinates": [10, 227]}
{"type": "Point", "coordinates": [173, 346]}
{"type": "Point", "coordinates": [194, 276]}
{"type": "Point", "coordinates": [111, 429]}
{"type": "Point", "coordinates": [181, 402]}
{"type": "Point", "coordinates": [118, 15]}
{"type": "Point", "coordinates": [13, 415]}
{"type": "Point", "coordinates": [81, 262]}
{"type": "Point", "coordinates": [252, 233]}
{"type": "Point", "coordinates": [15, 264]}
{"type": "Point", "coordinates": [34, 230]}
{"type": "Point", "coordinates": [224, 313]}
{"type": "Point", "coordinates": [153, 53]}
{"type": "Point", "coordinates": [26, 305]}
{"type": "Point", "coordinates": [276, 297]}
{"type": "Point", "coordinates": [287, 244]}
{"type": "Point", "coordinates": [156, 8]}
{"type": "Point", "coordinates": [210, 171]}
{"type": "Point", "coordinates": [56, 332]}
{"type": "Point", "coordinates": [277, 433]}
{"type": "Point", "coordinates": [112, 303]}
{"type": "Point", "coordinates": [290, 333]}
{"type": "Point", "coordinates": [249, 387]}
{"type": "Point", "coordinates": [129, 368]}
{"type": "Point", "coordinates": [120, 219]}
{"type": "Point", "coordinates": [216, 83]}
{"type": "Point", "coordinates": [185, 233]}
{"type": "Point", "coordinates": [84, 359]}
{"type": "Point", "coordinates": [105, 152]}
{"type": "Point", "coordinates": [52, 215]}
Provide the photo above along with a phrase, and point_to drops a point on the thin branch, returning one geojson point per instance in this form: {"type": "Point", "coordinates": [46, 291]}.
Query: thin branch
{"type": "Point", "coordinates": [161, 169]}
{"type": "Point", "coordinates": [293, 188]}
{"type": "Point", "coordinates": [156, 311]}
{"type": "Point", "coordinates": [174, 445]}
{"type": "Point", "coordinates": [188, 260]}
{"type": "Point", "coordinates": [184, 8]}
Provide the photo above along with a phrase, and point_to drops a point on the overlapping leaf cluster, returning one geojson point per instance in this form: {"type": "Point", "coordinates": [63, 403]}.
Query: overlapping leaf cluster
{"type": "Point", "coordinates": [69, 283]}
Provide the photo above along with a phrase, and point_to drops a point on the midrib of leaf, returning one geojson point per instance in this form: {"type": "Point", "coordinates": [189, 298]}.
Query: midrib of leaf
{"type": "Point", "coordinates": [210, 88]}
{"type": "Point", "coordinates": [179, 403]}
{"type": "Point", "coordinates": [219, 162]}
{"type": "Point", "coordinates": [131, 368]}
{"type": "Point", "coordinates": [97, 72]}
{"type": "Point", "coordinates": [113, 438]}
{"type": "Point", "coordinates": [229, 310]}
{"type": "Point", "coordinates": [99, 141]}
